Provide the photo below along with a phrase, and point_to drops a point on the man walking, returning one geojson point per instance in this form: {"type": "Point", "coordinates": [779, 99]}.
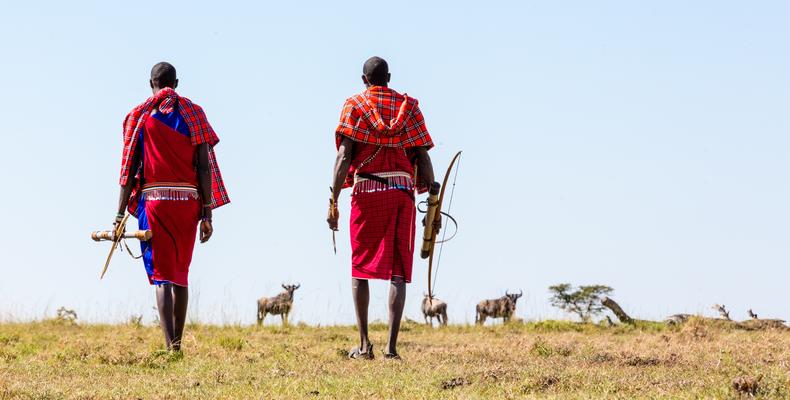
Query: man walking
{"type": "Point", "coordinates": [382, 154]}
{"type": "Point", "coordinates": [170, 182]}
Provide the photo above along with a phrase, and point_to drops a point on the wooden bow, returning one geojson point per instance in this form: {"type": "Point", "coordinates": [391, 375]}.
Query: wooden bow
{"type": "Point", "coordinates": [438, 218]}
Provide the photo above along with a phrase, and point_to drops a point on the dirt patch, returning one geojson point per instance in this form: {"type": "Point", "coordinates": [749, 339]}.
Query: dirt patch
{"type": "Point", "coordinates": [541, 384]}
{"type": "Point", "coordinates": [601, 358]}
{"type": "Point", "coordinates": [454, 383]}
{"type": "Point", "coordinates": [499, 375]}
{"type": "Point", "coordinates": [638, 361]}
{"type": "Point", "coordinates": [747, 385]}
{"type": "Point", "coordinates": [633, 360]}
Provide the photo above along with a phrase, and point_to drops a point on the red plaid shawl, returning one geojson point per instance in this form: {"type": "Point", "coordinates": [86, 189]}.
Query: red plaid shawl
{"type": "Point", "coordinates": [199, 129]}
{"type": "Point", "coordinates": [364, 114]}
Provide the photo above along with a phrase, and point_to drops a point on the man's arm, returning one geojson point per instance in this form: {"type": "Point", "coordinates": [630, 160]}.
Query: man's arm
{"type": "Point", "coordinates": [342, 163]}
{"type": "Point", "coordinates": [424, 165]}
{"type": "Point", "coordinates": [425, 169]}
{"type": "Point", "coordinates": [204, 181]}
{"type": "Point", "coordinates": [126, 190]}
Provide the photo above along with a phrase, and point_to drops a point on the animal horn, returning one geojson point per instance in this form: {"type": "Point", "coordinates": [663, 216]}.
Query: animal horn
{"type": "Point", "coordinates": [283, 285]}
{"type": "Point", "coordinates": [520, 293]}
{"type": "Point", "coordinates": [506, 293]}
{"type": "Point", "coordinates": [297, 286]}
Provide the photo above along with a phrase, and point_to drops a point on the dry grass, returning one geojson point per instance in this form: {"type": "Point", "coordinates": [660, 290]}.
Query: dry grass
{"type": "Point", "coordinates": [53, 360]}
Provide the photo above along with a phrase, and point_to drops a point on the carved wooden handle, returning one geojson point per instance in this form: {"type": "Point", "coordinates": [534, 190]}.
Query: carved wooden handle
{"type": "Point", "coordinates": [142, 236]}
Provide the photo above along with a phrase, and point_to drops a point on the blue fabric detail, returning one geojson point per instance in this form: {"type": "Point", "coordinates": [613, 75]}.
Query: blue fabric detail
{"type": "Point", "coordinates": [145, 247]}
{"type": "Point", "coordinates": [173, 121]}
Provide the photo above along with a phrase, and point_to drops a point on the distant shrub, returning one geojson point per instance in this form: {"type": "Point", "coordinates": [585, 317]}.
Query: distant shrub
{"type": "Point", "coordinates": [585, 301]}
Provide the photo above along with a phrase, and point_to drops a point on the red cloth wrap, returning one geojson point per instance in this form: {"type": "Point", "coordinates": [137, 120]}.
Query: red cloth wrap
{"type": "Point", "coordinates": [380, 116]}
{"type": "Point", "coordinates": [168, 157]}
{"type": "Point", "coordinates": [382, 223]}
{"type": "Point", "coordinates": [171, 215]}
{"type": "Point", "coordinates": [388, 159]}
{"type": "Point", "coordinates": [174, 224]}
{"type": "Point", "coordinates": [382, 235]}
{"type": "Point", "coordinates": [200, 132]}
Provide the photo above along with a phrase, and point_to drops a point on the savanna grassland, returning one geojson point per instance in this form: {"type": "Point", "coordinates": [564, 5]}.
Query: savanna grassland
{"type": "Point", "coordinates": [59, 359]}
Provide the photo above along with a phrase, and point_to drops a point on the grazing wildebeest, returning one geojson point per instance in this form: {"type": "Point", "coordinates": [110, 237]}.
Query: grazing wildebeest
{"type": "Point", "coordinates": [503, 307]}
{"type": "Point", "coordinates": [434, 308]}
{"type": "Point", "coordinates": [280, 304]}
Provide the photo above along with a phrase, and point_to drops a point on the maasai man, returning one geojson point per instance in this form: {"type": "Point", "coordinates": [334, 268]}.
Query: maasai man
{"type": "Point", "coordinates": [380, 140]}
{"type": "Point", "coordinates": [171, 182]}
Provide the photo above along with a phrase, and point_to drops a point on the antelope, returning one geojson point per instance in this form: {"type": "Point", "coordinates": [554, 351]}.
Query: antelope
{"type": "Point", "coordinates": [434, 308]}
{"type": "Point", "coordinates": [503, 307]}
{"type": "Point", "coordinates": [280, 304]}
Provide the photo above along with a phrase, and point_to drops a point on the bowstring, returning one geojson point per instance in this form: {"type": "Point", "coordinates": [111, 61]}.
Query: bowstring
{"type": "Point", "coordinates": [444, 232]}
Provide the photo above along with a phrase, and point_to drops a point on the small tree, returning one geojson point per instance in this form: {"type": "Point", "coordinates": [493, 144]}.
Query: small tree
{"type": "Point", "coordinates": [585, 301]}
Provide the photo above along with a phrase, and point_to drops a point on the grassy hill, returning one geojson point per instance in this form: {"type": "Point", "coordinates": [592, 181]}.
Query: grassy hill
{"type": "Point", "coordinates": [57, 359]}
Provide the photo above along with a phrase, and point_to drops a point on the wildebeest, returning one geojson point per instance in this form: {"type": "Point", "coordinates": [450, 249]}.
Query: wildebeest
{"type": "Point", "coordinates": [434, 308]}
{"type": "Point", "coordinates": [280, 304]}
{"type": "Point", "coordinates": [503, 307]}
{"type": "Point", "coordinates": [678, 319]}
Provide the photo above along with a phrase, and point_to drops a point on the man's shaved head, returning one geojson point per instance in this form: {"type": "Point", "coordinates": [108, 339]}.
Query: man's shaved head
{"type": "Point", "coordinates": [163, 75]}
{"type": "Point", "coordinates": [376, 71]}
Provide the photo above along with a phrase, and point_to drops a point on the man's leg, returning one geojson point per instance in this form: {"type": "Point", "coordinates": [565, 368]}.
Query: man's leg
{"type": "Point", "coordinates": [361, 292]}
{"type": "Point", "coordinates": [164, 303]}
{"type": "Point", "coordinates": [181, 294]}
{"type": "Point", "coordinates": [397, 300]}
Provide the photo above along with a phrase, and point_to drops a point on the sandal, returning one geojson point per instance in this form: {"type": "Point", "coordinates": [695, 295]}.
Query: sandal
{"type": "Point", "coordinates": [357, 354]}
{"type": "Point", "coordinates": [391, 356]}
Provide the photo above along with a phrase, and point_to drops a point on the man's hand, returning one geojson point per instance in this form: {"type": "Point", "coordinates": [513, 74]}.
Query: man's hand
{"type": "Point", "coordinates": [332, 215]}
{"type": "Point", "coordinates": [345, 153]}
{"type": "Point", "coordinates": [118, 219]}
{"type": "Point", "coordinates": [205, 230]}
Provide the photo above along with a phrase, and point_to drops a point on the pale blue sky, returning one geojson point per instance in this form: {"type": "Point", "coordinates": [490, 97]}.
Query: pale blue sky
{"type": "Point", "coordinates": [640, 145]}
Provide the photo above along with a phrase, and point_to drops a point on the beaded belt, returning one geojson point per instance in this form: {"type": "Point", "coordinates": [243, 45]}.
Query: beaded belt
{"type": "Point", "coordinates": [386, 181]}
{"type": "Point", "coordinates": [170, 191]}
